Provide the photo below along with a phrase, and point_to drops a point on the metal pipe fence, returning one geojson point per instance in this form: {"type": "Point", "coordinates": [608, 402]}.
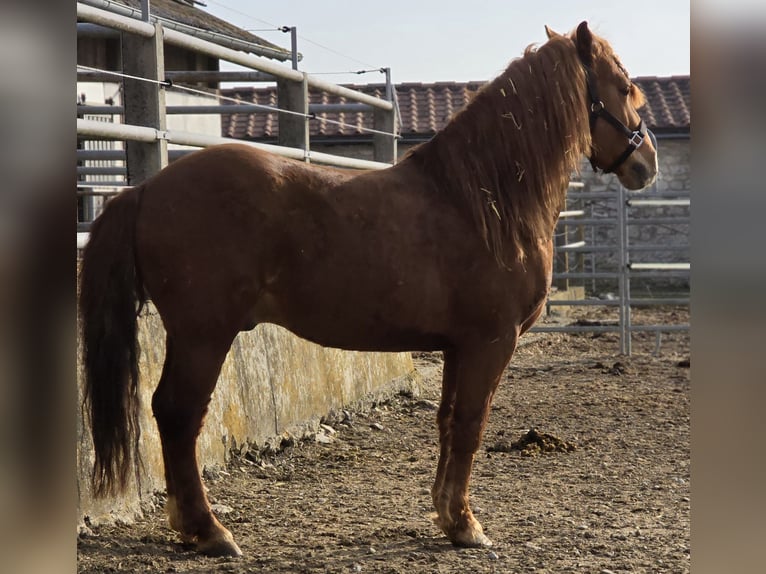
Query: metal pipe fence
{"type": "Point", "coordinates": [629, 211]}
{"type": "Point", "coordinates": [140, 117]}
{"type": "Point", "coordinates": [146, 134]}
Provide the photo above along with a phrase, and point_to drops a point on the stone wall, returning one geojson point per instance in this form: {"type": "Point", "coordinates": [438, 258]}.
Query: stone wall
{"type": "Point", "coordinates": [271, 383]}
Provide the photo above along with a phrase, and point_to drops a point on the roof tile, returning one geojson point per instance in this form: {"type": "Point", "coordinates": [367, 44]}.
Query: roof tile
{"type": "Point", "coordinates": [426, 108]}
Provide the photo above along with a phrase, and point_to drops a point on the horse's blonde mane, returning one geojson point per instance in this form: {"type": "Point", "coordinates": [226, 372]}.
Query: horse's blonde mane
{"type": "Point", "coordinates": [507, 157]}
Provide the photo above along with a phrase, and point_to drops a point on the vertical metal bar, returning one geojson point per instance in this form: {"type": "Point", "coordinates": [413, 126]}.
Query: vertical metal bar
{"type": "Point", "coordinates": [622, 263]}
{"type": "Point", "coordinates": [145, 10]}
{"type": "Point", "coordinates": [626, 242]}
{"type": "Point", "coordinates": [580, 266]}
{"type": "Point", "coordinates": [561, 258]}
{"type": "Point", "coordinates": [384, 146]}
{"type": "Point", "coordinates": [389, 87]}
{"type": "Point", "coordinates": [294, 46]}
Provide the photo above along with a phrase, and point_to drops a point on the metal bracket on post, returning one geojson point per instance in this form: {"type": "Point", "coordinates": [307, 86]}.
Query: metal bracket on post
{"type": "Point", "coordinates": [144, 102]}
{"type": "Point", "coordinates": [294, 46]}
{"type": "Point", "coordinates": [294, 129]}
{"type": "Point", "coordinates": [384, 145]}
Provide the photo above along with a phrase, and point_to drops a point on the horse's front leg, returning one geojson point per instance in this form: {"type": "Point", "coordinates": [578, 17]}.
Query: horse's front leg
{"type": "Point", "coordinates": [470, 379]}
{"type": "Point", "coordinates": [179, 404]}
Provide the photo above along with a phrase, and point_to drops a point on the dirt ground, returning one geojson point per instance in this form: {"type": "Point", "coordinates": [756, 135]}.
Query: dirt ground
{"type": "Point", "coordinates": [356, 497]}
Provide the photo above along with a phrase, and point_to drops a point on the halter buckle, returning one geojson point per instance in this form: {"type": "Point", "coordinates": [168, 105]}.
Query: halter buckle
{"type": "Point", "coordinates": [597, 107]}
{"type": "Point", "coordinates": [636, 139]}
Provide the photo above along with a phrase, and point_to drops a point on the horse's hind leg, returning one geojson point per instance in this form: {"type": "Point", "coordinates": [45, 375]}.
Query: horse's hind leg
{"type": "Point", "coordinates": [191, 370]}
{"type": "Point", "coordinates": [474, 375]}
{"type": "Point", "coordinates": [444, 423]}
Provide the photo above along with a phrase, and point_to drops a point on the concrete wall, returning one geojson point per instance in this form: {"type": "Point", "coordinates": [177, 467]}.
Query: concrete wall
{"type": "Point", "coordinates": [272, 382]}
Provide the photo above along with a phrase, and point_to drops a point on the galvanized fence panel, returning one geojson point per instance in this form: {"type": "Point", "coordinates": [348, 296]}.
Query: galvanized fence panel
{"type": "Point", "coordinates": [577, 236]}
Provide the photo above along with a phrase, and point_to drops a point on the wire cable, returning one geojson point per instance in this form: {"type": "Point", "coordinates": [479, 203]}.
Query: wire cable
{"type": "Point", "coordinates": [287, 29]}
{"type": "Point", "coordinates": [221, 98]}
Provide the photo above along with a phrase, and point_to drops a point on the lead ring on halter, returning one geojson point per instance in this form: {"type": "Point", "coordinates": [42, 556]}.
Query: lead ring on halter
{"type": "Point", "coordinates": [598, 110]}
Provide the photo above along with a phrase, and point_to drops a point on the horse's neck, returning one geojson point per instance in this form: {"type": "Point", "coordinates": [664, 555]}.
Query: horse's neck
{"type": "Point", "coordinates": [508, 156]}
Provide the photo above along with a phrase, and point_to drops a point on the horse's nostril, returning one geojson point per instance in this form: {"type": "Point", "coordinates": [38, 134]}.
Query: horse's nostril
{"type": "Point", "coordinates": [640, 171]}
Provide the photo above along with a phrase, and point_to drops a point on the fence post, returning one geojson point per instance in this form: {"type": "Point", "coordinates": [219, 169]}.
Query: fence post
{"type": "Point", "coordinates": [144, 102]}
{"type": "Point", "coordinates": [384, 146]}
{"type": "Point", "coordinates": [561, 258]}
{"type": "Point", "coordinates": [293, 129]}
{"type": "Point", "coordinates": [623, 286]}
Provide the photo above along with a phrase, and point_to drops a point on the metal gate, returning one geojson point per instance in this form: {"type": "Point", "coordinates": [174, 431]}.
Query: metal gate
{"type": "Point", "coordinates": [622, 257]}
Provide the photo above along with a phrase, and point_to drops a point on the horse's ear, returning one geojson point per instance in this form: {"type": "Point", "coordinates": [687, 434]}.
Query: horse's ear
{"type": "Point", "coordinates": [585, 43]}
{"type": "Point", "coordinates": [551, 33]}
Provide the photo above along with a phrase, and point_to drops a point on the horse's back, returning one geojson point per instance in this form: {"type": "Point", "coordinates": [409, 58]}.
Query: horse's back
{"type": "Point", "coordinates": [211, 226]}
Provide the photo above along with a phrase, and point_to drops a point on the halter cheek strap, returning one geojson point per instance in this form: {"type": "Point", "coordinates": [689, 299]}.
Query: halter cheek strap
{"type": "Point", "coordinates": [598, 110]}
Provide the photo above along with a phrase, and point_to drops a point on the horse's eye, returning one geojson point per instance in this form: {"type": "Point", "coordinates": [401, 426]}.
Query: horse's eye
{"type": "Point", "coordinates": [626, 91]}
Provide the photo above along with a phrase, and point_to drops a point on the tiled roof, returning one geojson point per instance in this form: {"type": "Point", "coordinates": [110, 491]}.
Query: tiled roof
{"type": "Point", "coordinates": [185, 13]}
{"type": "Point", "coordinates": [426, 108]}
{"type": "Point", "coordinates": [668, 105]}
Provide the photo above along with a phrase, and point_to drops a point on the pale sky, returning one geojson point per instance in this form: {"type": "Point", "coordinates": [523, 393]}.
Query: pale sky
{"type": "Point", "coordinates": [447, 40]}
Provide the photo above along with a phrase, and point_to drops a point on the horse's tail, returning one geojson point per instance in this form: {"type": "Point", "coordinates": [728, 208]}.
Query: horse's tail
{"type": "Point", "coordinates": [111, 294]}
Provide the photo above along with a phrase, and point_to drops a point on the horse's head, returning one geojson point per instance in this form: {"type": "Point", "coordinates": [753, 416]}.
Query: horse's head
{"type": "Point", "coordinates": [621, 142]}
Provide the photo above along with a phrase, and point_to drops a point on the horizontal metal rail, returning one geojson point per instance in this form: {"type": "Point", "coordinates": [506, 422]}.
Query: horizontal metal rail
{"type": "Point", "coordinates": [571, 246]}
{"type": "Point", "coordinates": [92, 128]}
{"type": "Point", "coordinates": [634, 248]}
{"type": "Point", "coordinates": [575, 329]}
{"type": "Point", "coordinates": [116, 21]}
{"type": "Point", "coordinates": [608, 328]}
{"type": "Point", "coordinates": [583, 302]}
{"type": "Point", "coordinates": [587, 275]}
{"type": "Point", "coordinates": [635, 274]}
{"type": "Point", "coordinates": [659, 266]}
{"type": "Point", "coordinates": [612, 194]}
{"type": "Point", "coordinates": [102, 183]}
{"type": "Point", "coordinates": [190, 77]}
{"type": "Point", "coordinates": [119, 154]}
{"type": "Point", "coordinates": [659, 202]}
{"type": "Point", "coordinates": [229, 109]}
{"type": "Point", "coordinates": [211, 49]}
{"type": "Point", "coordinates": [571, 213]}
{"type": "Point", "coordinates": [123, 11]}
{"type": "Point", "coordinates": [615, 302]}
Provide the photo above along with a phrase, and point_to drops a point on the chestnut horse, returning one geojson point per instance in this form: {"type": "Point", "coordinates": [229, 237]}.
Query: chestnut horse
{"type": "Point", "coordinates": [450, 249]}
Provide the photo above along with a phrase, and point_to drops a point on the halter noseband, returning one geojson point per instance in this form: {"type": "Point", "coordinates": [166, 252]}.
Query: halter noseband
{"type": "Point", "coordinates": [598, 110]}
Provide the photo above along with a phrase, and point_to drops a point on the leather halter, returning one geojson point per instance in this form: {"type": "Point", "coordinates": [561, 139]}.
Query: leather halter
{"type": "Point", "coordinates": [598, 110]}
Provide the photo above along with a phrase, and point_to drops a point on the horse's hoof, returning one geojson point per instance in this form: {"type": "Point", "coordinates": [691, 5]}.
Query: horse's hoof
{"type": "Point", "coordinates": [221, 545]}
{"type": "Point", "coordinates": [471, 539]}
